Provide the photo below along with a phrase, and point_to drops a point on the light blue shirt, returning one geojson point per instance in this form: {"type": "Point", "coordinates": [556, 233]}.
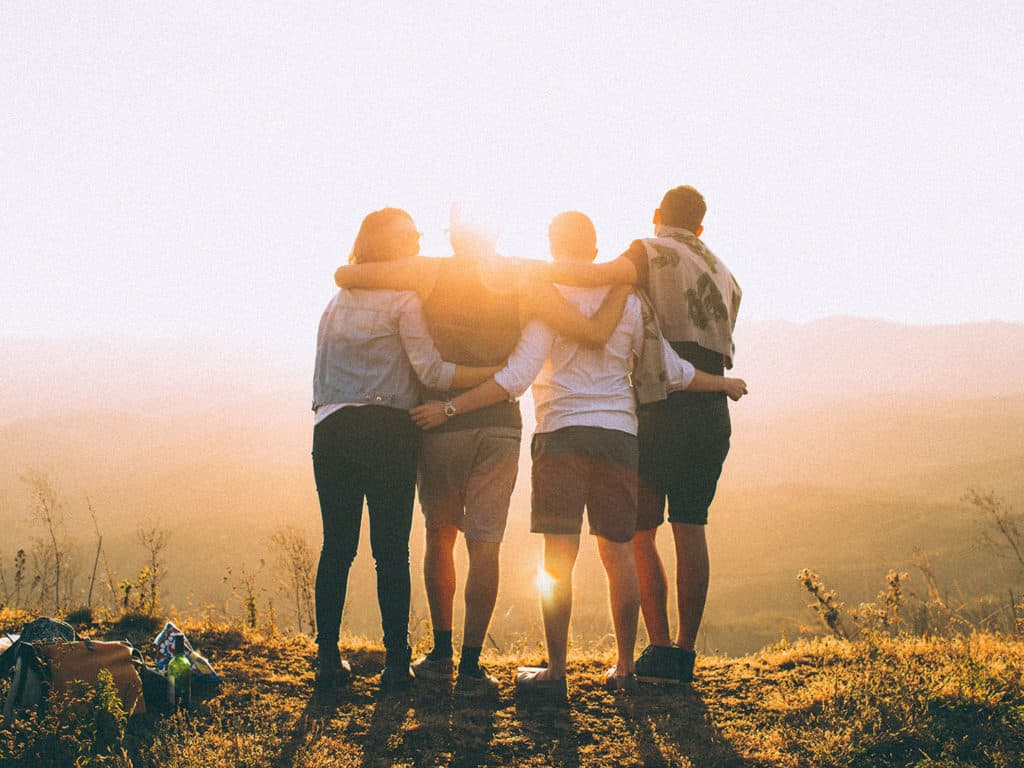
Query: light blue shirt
{"type": "Point", "coordinates": [370, 349]}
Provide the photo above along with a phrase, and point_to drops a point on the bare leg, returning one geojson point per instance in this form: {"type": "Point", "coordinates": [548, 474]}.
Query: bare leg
{"type": "Point", "coordinates": [439, 575]}
{"type": "Point", "coordinates": [692, 576]}
{"type": "Point", "coordinates": [481, 590]}
{"type": "Point", "coordinates": [624, 595]}
{"type": "Point", "coordinates": [560, 552]}
{"type": "Point", "coordinates": [653, 587]}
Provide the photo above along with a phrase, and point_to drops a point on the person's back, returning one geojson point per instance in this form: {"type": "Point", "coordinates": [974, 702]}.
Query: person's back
{"type": "Point", "coordinates": [684, 440]}
{"type": "Point", "coordinates": [585, 459]}
{"type": "Point", "coordinates": [582, 386]}
{"type": "Point", "coordinates": [693, 293]}
{"type": "Point", "coordinates": [473, 325]}
{"type": "Point", "coordinates": [363, 356]}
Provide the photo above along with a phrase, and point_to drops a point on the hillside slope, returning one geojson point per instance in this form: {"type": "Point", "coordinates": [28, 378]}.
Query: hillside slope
{"type": "Point", "coordinates": [882, 703]}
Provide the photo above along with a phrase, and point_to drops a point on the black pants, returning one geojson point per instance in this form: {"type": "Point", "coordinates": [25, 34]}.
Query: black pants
{"type": "Point", "coordinates": [366, 451]}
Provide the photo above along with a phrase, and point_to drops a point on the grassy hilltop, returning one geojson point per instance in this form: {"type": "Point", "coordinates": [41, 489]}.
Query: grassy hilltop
{"type": "Point", "coordinates": [874, 702]}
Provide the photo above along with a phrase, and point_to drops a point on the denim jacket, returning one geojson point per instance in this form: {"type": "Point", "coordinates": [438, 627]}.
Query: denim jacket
{"type": "Point", "coordinates": [371, 347]}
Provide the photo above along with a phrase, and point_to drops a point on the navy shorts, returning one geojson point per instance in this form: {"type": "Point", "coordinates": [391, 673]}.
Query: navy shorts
{"type": "Point", "coordinates": [683, 444]}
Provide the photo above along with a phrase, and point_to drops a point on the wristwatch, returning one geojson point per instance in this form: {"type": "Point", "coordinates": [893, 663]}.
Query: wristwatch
{"type": "Point", "coordinates": [449, 409]}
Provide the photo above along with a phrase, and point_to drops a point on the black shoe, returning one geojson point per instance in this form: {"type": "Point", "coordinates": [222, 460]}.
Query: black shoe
{"type": "Point", "coordinates": [476, 681]}
{"type": "Point", "coordinates": [397, 675]}
{"type": "Point", "coordinates": [331, 670]}
{"type": "Point", "coordinates": [686, 660]}
{"type": "Point", "coordinates": [428, 668]}
{"type": "Point", "coordinates": [661, 665]}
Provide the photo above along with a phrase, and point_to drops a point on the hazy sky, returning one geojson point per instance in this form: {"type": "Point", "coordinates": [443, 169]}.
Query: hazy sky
{"type": "Point", "coordinates": [200, 169]}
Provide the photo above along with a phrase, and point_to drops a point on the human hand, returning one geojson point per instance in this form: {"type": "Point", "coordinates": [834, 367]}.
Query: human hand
{"type": "Point", "coordinates": [428, 415]}
{"type": "Point", "coordinates": [735, 388]}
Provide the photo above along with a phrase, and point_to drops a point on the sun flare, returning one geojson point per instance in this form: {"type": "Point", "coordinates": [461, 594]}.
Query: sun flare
{"type": "Point", "coordinates": [545, 581]}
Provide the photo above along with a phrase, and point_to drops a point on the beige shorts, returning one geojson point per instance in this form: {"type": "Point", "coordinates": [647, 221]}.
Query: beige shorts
{"type": "Point", "coordinates": [466, 479]}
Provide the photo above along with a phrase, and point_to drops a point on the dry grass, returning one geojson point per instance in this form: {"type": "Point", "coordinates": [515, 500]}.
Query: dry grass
{"type": "Point", "coordinates": [874, 702]}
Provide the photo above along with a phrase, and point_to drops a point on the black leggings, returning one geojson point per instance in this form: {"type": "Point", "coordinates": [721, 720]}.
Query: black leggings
{"type": "Point", "coordinates": [365, 451]}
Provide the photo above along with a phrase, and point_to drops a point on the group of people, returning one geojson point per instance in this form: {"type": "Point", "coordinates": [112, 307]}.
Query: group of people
{"type": "Point", "coordinates": [419, 363]}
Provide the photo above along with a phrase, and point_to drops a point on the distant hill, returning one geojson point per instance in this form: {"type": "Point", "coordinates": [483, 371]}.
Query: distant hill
{"type": "Point", "coordinates": [786, 364]}
{"type": "Point", "coordinates": [49, 377]}
{"type": "Point", "coordinates": [840, 358]}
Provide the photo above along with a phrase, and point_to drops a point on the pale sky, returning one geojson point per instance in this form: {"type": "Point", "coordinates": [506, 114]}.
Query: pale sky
{"type": "Point", "coordinates": [200, 169]}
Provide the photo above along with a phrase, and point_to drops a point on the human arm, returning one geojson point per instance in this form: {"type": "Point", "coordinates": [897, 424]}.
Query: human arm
{"type": "Point", "coordinates": [472, 375]}
{"type": "Point", "coordinates": [423, 355]}
{"type": "Point", "coordinates": [413, 274]}
{"type": "Point", "coordinates": [619, 271]}
{"type": "Point", "coordinates": [432, 414]}
{"type": "Point", "coordinates": [708, 382]}
{"type": "Point", "coordinates": [510, 382]}
{"type": "Point", "coordinates": [682, 375]}
{"type": "Point", "coordinates": [544, 302]}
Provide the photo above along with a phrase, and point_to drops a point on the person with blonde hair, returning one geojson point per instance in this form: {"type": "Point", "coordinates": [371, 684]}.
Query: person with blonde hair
{"type": "Point", "coordinates": [371, 347]}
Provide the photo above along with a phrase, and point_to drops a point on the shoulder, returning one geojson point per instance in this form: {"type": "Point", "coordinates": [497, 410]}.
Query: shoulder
{"type": "Point", "coordinates": [636, 254]}
{"type": "Point", "coordinates": [637, 250]}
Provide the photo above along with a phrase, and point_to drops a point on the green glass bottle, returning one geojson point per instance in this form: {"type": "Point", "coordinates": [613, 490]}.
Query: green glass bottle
{"type": "Point", "coordinates": [179, 676]}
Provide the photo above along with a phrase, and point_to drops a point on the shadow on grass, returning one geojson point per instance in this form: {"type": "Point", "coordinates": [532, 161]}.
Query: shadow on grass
{"type": "Point", "coordinates": [427, 726]}
{"type": "Point", "coordinates": [673, 726]}
{"type": "Point", "coordinates": [318, 712]}
{"type": "Point", "coordinates": [385, 737]}
{"type": "Point", "coordinates": [548, 725]}
{"type": "Point", "coordinates": [472, 728]}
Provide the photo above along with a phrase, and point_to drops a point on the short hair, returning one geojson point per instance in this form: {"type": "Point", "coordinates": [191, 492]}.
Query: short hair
{"type": "Point", "coordinates": [372, 243]}
{"type": "Point", "coordinates": [573, 231]}
{"type": "Point", "coordinates": [683, 207]}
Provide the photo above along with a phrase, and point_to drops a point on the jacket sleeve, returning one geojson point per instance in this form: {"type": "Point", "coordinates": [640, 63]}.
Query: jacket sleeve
{"type": "Point", "coordinates": [419, 346]}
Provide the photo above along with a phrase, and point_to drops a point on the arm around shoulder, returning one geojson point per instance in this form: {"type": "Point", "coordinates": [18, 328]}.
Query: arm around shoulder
{"type": "Point", "coordinates": [619, 271]}
{"type": "Point", "coordinates": [544, 302]}
{"type": "Point", "coordinates": [413, 274]}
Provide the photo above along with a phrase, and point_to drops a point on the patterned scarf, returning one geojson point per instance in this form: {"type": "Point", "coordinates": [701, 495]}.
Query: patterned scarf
{"type": "Point", "coordinates": [695, 295]}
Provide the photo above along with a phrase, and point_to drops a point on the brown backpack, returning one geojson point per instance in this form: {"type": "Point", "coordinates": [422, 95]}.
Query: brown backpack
{"type": "Point", "coordinates": [44, 666]}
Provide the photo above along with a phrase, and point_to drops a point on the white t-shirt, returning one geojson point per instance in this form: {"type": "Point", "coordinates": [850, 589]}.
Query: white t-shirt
{"type": "Point", "coordinates": [577, 386]}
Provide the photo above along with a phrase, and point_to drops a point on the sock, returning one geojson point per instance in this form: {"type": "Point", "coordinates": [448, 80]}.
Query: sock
{"type": "Point", "coordinates": [442, 645]}
{"type": "Point", "coordinates": [470, 658]}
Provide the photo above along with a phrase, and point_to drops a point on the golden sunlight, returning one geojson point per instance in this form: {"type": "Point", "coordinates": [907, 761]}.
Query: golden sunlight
{"type": "Point", "coordinates": [545, 581]}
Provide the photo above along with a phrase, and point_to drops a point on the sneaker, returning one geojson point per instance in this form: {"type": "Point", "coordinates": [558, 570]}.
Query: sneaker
{"type": "Point", "coordinates": [686, 660]}
{"type": "Point", "coordinates": [427, 668]}
{"type": "Point", "coordinates": [660, 665]}
{"type": "Point", "coordinates": [397, 674]}
{"type": "Point", "coordinates": [530, 683]}
{"type": "Point", "coordinates": [331, 674]}
{"type": "Point", "coordinates": [613, 681]}
{"type": "Point", "coordinates": [476, 682]}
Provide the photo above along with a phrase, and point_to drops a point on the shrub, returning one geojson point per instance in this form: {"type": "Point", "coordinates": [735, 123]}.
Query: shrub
{"type": "Point", "coordinates": [82, 726]}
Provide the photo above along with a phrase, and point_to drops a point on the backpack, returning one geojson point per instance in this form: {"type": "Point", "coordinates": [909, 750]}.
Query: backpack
{"type": "Point", "coordinates": [48, 655]}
